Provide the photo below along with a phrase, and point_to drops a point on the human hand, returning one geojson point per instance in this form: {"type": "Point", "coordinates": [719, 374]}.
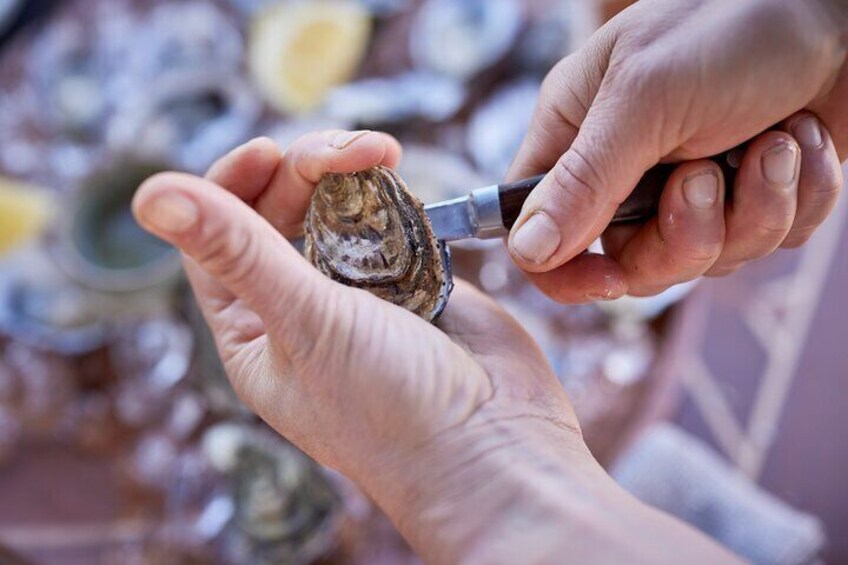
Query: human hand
{"type": "Point", "coordinates": [360, 385]}
{"type": "Point", "coordinates": [459, 431]}
{"type": "Point", "coordinates": [680, 80]}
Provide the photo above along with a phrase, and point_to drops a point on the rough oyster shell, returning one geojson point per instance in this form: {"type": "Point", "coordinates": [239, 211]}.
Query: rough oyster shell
{"type": "Point", "coordinates": [366, 230]}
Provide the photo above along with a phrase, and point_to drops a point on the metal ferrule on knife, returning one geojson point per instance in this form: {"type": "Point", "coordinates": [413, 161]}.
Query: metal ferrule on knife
{"type": "Point", "coordinates": [477, 215]}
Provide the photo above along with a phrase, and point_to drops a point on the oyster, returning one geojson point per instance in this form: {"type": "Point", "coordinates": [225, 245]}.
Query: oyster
{"type": "Point", "coordinates": [285, 509]}
{"type": "Point", "coordinates": [366, 230]}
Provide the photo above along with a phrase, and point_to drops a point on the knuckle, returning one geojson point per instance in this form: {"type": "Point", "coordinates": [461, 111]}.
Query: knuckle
{"type": "Point", "coordinates": [755, 248]}
{"type": "Point", "coordinates": [722, 271]}
{"type": "Point", "coordinates": [686, 249]}
{"type": "Point", "coordinates": [827, 187]}
{"type": "Point", "coordinates": [576, 177]}
{"type": "Point", "coordinates": [643, 75]}
{"type": "Point", "coordinates": [645, 290]}
{"type": "Point", "coordinates": [689, 260]}
{"type": "Point", "coordinates": [766, 226]}
{"type": "Point", "coordinates": [232, 253]}
{"type": "Point", "coordinates": [797, 238]}
{"type": "Point", "coordinates": [773, 231]}
{"type": "Point", "coordinates": [699, 254]}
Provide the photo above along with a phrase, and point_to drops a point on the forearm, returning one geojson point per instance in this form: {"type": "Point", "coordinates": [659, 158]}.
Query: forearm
{"type": "Point", "coordinates": [527, 497]}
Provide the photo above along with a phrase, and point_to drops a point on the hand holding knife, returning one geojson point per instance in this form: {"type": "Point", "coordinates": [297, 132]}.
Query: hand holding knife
{"type": "Point", "coordinates": [490, 212]}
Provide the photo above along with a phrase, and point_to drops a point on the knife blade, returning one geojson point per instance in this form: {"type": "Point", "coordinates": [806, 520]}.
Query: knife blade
{"type": "Point", "coordinates": [490, 212]}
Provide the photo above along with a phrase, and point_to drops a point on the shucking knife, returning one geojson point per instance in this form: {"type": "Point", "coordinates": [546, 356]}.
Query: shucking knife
{"type": "Point", "coordinates": [490, 212]}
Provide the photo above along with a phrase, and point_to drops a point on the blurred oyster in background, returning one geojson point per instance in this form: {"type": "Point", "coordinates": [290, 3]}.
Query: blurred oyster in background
{"type": "Point", "coordinates": [70, 76]}
{"type": "Point", "coordinates": [39, 308]}
{"type": "Point", "coordinates": [154, 461]}
{"type": "Point", "coordinates": [286, 511]}
{"type": "Point", "coordinates": [156, 350]}
{"type": "Point", "coordinates": [185, 36]}
{"type": "Point", "coordinates": [299, 50]}
{"type": "Point", "coordinates": [380, 101]}
{"type": "Point", "coordinates": [286, 132]}
{"type": "Point", "coordinates": [547, 38]}
{"type": "Point", "coordinates": [434, 174]}
{"type": "Point", "coordinates": [461, 39]}
{"type": "Point", "coordinates": [46, 387]}
{"type": "Point", "coordinates": [21, 151]}
{"type": "Point", "coordinates": [498, 127]}
{"type": "Point", "coordinates": [152, 357]}
{"type": "Point", "coordinates": [189, 118]}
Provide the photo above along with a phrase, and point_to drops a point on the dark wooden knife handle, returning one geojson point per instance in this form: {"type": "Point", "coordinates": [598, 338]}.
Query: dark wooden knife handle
{"type": "Point", "coordinates": [640, 206]}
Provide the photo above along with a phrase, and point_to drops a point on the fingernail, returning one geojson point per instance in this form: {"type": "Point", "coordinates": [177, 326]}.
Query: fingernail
{"type": "Point", "coordinates": [701, 190]}
{"type": "Point", "coordinates": [808, 132]}
{"type": "Point", "coordinates": [348, 138]}
{"type": "Point", "coordinates": [780, 163]}
{"type": "Point", "coordinates": [171, 213]}
{"type": "Point", "coordinates": [537, 239]}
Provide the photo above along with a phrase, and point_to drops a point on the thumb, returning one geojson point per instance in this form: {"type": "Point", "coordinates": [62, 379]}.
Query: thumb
{"type": "Point", "coordinates": [240, 250]}
{"type": "Point", "coordinates": [575, 202]}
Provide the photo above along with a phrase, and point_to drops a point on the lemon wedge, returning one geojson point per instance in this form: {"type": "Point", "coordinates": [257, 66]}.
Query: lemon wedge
{"type": "Point", "coordinates": [24, 211]}
{"type": "Point", "coordinates": [299, 50]}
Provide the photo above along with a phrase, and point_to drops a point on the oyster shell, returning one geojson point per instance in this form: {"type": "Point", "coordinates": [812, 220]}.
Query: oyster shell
{"type": "Point", "coordinates": [367, 230]}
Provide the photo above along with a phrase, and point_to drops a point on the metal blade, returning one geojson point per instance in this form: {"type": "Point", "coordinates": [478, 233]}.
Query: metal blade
{"type": "Point", "coordinates": [451, 220]}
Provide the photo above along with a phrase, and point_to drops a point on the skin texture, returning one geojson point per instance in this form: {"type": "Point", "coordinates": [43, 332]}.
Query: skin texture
{"type": "Point", "coordinates": [680, 80]}
{"type": "Point", "coordinates": [460, 432]}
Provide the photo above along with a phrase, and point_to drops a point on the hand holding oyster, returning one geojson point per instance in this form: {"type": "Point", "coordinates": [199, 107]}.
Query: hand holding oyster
{"type": "Point", "coordinates": [367, 230]}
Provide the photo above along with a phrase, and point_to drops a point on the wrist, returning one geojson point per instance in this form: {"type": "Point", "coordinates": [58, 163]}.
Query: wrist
{"type": "Point", "coordinates": [493, 488]}
{"type": "Point", "coordinates": [528, 493]}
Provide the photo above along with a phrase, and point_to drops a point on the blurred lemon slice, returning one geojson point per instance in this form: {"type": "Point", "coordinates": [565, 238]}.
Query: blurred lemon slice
{"type": "Point", "coordinates": [24, 211]}
{"type": "Point", "coordinates": [300, 50]}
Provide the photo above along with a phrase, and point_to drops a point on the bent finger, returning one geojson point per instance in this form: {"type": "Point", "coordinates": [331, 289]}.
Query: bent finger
{"type": "Point", "coordinates": [821, 177]}
{"type": "Point", "coordinates": [685, 238]}
{"type": "Point", "coordinates": [239, 249]}
{"type": "Point", "coordinates": [765, 197]}
{"type": "Point", "coordinates": [589, 277]}
{"type": "Point", "coordinates": [289, 192]}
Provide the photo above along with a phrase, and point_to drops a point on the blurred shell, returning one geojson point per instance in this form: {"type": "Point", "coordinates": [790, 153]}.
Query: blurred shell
{"type": "Point", "coordinates": [492, 140]}
{"type": "Point", "coordinates": [366, 230]}
{"type": "Point", "coordinates": [461, 39]}
{"type": "Point", "coordinates": [416, 94]}
{"type": "Point", "coordinates": [190, 117]}
{"type": "Point", "coordinates": [285, 509]}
